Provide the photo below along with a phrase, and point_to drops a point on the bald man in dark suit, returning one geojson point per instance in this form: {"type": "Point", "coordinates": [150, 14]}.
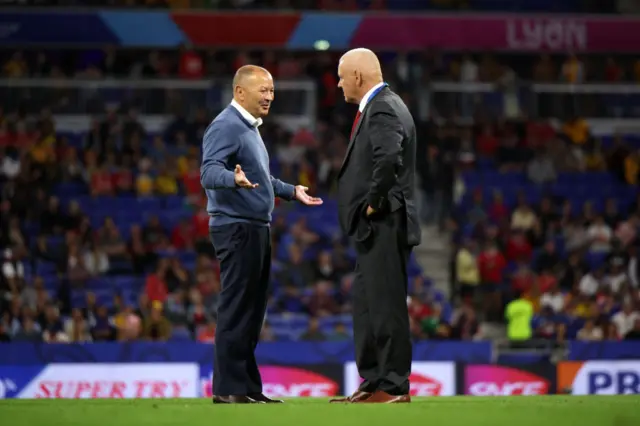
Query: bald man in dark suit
{"type": "Point", "coordinates": [377, 210]}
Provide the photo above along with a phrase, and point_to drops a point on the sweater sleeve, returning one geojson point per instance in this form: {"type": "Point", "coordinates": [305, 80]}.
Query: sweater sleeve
{"type": "Point", "coordinates": [218, 147]}
{"type": "Point", "coordinates": [283, 190]}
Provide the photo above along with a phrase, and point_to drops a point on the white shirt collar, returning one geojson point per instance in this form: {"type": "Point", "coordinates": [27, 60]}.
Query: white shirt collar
{"type": "Point", "coordinates": [255, 122]}
{"type": "Point", "coordinates": [365, 99]}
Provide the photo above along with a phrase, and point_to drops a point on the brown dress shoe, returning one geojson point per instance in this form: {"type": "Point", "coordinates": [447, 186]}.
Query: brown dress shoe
{"type": "Point", "coordinates": [234, 399]}
{"type": "Point", "coordinates": [381, 397]}
{"type": "Point", "coordinates": [260, 397]}
{"type": "Point", "coordinates": [357, 396]}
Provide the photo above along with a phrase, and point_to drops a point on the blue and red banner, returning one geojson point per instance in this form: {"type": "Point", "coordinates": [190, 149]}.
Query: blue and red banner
{"type": "Point", "coordinates": [55, 29]}
{"type": "Point", "coordinates": [293, 369]}
{"type": "Point", "coordinates": [336, 31]}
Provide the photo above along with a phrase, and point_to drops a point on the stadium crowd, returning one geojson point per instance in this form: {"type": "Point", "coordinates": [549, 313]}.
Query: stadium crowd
{"type": "Point", "coordinates": [408, 68]}
{"type": "Point", "coordinates": [105, 236]}
{"type": "Point", "coordinates": [552, 217]}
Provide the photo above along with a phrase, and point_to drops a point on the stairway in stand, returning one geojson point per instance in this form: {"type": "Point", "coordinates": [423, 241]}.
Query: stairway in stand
{"type": "Point", "coordinates": [433, 255]}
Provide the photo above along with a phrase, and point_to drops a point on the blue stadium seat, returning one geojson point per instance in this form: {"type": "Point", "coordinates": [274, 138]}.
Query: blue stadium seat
{"type": "Point", "coordinates": [595, 259]}
{"type": "Point", "coordinates": [180, 334]}
{"type": "Point", "coordinates": [70, 189]}
{"type": "Point", "coordinates": [45, 268]}
{"type": "Point", "coordinates": [78, 298]}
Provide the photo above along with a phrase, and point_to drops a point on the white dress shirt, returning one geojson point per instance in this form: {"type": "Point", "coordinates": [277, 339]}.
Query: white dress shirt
{"type": "Point", "coordinates": [255, 122]}
{"type": "Point", "coordinates": [367, 96]}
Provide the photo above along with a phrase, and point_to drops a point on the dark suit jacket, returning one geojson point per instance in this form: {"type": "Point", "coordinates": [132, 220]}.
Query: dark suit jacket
{"type": "Point", "coordinates": [379, 166]}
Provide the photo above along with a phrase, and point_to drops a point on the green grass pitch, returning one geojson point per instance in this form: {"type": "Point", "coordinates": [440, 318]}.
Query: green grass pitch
{"type": "Point", "coordinates": [450, 411]}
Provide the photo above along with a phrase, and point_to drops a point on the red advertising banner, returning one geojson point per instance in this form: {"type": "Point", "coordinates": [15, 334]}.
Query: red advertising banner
{"type": "Point", "coordinates": [252, 29]}
{"type": "Point", "coordinates": [501, 380]}
{"type": "Point", "coordinates": [500, 32]}
{"type": "Point", "coordinates": [288, 381]}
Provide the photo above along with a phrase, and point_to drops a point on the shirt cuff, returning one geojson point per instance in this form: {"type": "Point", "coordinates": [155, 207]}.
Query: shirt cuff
{"type": "Point", "coordinates": [229, 179]}
{"type": "Point", "coordinates": [289, 192]}
{"type": "Point", "coordinates": [376, 202]}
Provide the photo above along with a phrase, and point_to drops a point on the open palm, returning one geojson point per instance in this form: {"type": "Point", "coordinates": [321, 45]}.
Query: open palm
{"type": "Point", "coordinates": [306, 199]}
{"type": "Point", "coordinates": [241, 179]}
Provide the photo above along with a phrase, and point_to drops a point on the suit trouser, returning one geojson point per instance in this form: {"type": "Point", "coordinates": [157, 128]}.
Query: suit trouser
{"type": "Point", "coordinates": [244, 252]}
{"type": "Point", "coordinates": [380, 313]}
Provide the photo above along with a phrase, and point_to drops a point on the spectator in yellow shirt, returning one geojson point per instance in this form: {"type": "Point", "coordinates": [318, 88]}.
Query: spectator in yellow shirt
{"type": "Point", "coordinates": [577, 130]}
{"type": "Point", "coordinates": [519, 314]}
{"type": "Point", "coordinates": [16, 67]}
{"type": "Point", "coordinates": [467, 271]}
{"type": "Point", "coordinates": [183, 163]}
{"type": "Point", "coordinates": [42, 151]}
{"type": "Point", "coordinates": [144, 184]}
{"type": "Point", "coordinates": [632, 168]}
{"type": "Point", "coordinates": [166, 183]}
{"type": "Point", "coordinates": [594, 160]}
{"type": "Point", "coordinates": [573, 70]}
{"type": "Point", "coordinates": [636, 70]}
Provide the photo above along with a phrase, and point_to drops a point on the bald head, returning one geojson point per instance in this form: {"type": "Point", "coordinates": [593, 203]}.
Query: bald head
{"type": "Point", "coordinates": [246, 73]}
{"type": "Point", "coordinates": [253, 89]}
{"type": "Point", "coordinates": [359, 70]}
{"type": "Point", "coordinates": [364, 61]}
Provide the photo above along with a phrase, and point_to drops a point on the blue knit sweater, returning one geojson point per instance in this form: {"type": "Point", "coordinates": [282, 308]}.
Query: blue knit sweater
{"type": "Point", "coordinates": [229, 140]}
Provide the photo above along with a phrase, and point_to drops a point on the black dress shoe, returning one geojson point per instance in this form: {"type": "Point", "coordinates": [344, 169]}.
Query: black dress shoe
{"type": "Point", "coordinates": [234, 399]}
{"type": "Point", "coordinates": [260, 397]}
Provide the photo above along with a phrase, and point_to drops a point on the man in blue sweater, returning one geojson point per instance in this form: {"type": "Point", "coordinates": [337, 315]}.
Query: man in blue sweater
{"type": "Point", "coordinates": [241, 194]}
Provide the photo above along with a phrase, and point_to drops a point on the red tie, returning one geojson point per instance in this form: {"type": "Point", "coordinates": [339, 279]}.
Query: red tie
{"type": "Point", "coordinates": [355, 122]}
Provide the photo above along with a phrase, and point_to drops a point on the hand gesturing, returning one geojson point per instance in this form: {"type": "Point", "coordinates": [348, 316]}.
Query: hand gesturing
{"type": "Point", "coordinates": [304, 198]}
{"type": "Point", "coordinates": [241, 179]}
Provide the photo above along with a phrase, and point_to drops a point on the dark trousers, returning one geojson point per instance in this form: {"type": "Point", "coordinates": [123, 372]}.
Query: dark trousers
{"type": "Point", "coordinates": [380, 313]}
{"type": "Point", "coordinates": [244, 253]}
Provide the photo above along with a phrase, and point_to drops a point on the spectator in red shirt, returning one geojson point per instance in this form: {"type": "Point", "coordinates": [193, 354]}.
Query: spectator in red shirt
{"type": "Point", "coordinates": [487, 143]}
{"type": "Point", "coordinates": [498, 211]}
{"type": "Point", "coordinates": [491, 264]}
{"type": "Point", "coordinates": [22, 137]}
{"type": "Point", "coordinates": [321, 303]}
{"type": "Point", "coordinates": [207, 334]}
{"type": "Point", "coordinates": [191, 65]}
{"type": "Point", "coordinates": [155, 286]}
{"type": "Point", "coordinates": [183, 235]}
{"type": "Point", "coordinates": [6, 138]}
{"type": "Point", "coordinates": [518, 247]}
{"type": "Point", "coordinates": [241, 59]}
{"type": "Point", "coordinates": [612, 72]}
{"type": "Point", "coordinates": [418, 310]}
{"type": "Point", "coordinates": [547, 281]}
{"type": "Point", "coordinates": [101, 182]}
{"type": "Point", "coordinates": [539, 133]}
{"type": "Point", "coordinates": [123, 179]}
{"type": "Point", "coordinates": [191, 180]}
{"type": "Point", "coordinates": [207, 277]}
{"type": "Point", "coordinates": [523, 278]}
{"type": "Point", "coordinates": [200, 222]}
{"type": "Point", "coordinates": [270, 62]}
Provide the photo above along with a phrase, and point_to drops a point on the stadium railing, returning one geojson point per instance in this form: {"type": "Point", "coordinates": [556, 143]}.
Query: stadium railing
{"type": "Point", "coordinates": [295, 106]}
{"type": "Point", "coordinates": [551, 100]}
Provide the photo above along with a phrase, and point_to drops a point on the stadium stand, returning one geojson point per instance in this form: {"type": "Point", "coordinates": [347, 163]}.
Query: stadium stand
{"type": "Point", "coordinates": [104, 234]}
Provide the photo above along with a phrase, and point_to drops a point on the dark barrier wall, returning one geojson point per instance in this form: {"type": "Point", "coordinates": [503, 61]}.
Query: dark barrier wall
{"type": "Point", "coordinates": [290, 353]}
{"type": "Point", "coordinates": [294, 30]}
{"type": "Point", "coordinates": [585, 351]}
